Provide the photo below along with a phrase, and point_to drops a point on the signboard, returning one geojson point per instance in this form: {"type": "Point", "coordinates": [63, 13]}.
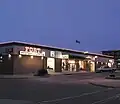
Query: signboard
{"type": "Point", "coordinates": [32, 51]}
{"type": "Point", "coordinates": [65, 56]}
{"type": "Point", "coordinates": [52, 53]}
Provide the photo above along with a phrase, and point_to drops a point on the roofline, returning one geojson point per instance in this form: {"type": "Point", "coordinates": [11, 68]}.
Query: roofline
{"type": "Point", "coordinates": [51, 47]}
{"type": "Point", "coordinates": [111, 50]}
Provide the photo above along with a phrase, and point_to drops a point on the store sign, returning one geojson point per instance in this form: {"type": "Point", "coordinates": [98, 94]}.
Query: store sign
{"type": "Point", "coordinates": [65, 56]}
{"type": "Point", "coordinates": [52, 53]}
{"type": "Point", "coordinates": [32, 51]}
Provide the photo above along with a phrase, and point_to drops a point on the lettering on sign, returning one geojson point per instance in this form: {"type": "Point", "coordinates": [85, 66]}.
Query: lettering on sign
{"type": "Point", "coordinates": [65, 56]}
{"type": "Point", "coordinates": [32, 51]}
{"type": "Point", "coordinates": [52, 53]}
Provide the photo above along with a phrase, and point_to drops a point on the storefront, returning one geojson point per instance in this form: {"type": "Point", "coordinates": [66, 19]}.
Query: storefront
{"type": "Point", "coordinates": [84, 63]}
{"type": "Point", "coordinates": [24, 58]}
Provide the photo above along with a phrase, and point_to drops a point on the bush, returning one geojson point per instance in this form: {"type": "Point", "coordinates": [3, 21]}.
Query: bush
{"type": "Point", "coordinates": [41, 72]}
{"type": "Point", "coordinates": [112, 75]}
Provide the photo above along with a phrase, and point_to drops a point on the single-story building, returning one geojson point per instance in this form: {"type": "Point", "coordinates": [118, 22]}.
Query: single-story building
{"type": "Point", "coordinates": [23, 58]}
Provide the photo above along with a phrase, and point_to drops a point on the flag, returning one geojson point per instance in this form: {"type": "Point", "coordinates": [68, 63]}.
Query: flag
{"type": "Point", "coordinates": [77, 41]}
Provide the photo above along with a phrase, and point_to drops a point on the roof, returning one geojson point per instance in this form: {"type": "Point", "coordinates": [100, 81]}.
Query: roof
{"type": "Point", "coordinates": [19, 43]}
{"type": "Point", "coordinates": [112, 50]}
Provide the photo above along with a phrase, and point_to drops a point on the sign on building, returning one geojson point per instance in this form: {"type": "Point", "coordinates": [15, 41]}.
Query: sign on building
{"type": "Point", "coordinates": [52, 53]}
{"type": "Point", "coordinates": [32, 51]}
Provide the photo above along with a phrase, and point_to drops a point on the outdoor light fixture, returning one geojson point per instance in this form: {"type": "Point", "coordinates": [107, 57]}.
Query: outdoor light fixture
{"type": "Point", "coordinates": [42, 57]}
{"type": "Point", "coordinates": [96, 57]}
{"type": "Point", "coordinates": [20, 56]}
{"type": "Point", "coordinates": [9, 55]}
{"type": "Point", "coordinates": [31, 57]}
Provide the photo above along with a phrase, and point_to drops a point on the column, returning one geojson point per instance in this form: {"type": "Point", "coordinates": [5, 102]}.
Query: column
{"type": "Point", "coordinates": [44, 62]}
{"type": "Point", "coordinates": [77, 65]}
{"type": "Point", "coordinates": [58, 65]}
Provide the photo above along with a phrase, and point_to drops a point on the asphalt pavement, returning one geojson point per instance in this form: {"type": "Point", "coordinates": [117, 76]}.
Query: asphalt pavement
{"type": "Point", "coordinates": [35, 91]}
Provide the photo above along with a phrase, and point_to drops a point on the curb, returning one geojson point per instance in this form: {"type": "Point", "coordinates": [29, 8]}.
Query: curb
{"type": "Point", "coordinates": [114, 78]}
{"type": "Point", "coordinates": [14, 78]}
{"type": "Point", "coordinates": [60, 74]}
{"type": "Point", "coordinates": [67, 74]}
{"type": "Point", "coordinates": [101, 85]}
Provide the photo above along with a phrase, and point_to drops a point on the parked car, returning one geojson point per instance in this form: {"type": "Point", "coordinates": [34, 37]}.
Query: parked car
{"type": "Point", "coordinates": [105, 69]}
{"type": "Point", "coordinates": [41, 72]}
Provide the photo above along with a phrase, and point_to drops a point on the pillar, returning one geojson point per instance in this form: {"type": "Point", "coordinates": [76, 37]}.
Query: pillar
{"type": "Point", "coordinates": [58, 65]}
{"type": "Point", "coordinates": [44, 62]}
{"type": "Point", "coordinates": [77, 65]}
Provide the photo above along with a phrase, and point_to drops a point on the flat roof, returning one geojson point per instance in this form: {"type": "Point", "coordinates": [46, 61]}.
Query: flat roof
{"type": "Point", "coordinates": [19, 43]}
{"type": "Point", "coordinates": [112, 50]}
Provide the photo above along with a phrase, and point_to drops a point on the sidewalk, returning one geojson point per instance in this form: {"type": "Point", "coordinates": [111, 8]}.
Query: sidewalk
{"type": "Point", "coordinates": [27, 76]}
{"type": "Point", "coordinates": [67, 72]}
{"type": "Point", "coordinates": [105, 83]}
{"type": "Point", "coordinates": [16, 76]}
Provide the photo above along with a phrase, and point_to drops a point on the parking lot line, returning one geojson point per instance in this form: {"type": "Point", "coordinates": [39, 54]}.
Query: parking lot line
{"type": "Point", "coordinates": [107, 99]}
{"type": "Point", "coordinates": [73, 97]}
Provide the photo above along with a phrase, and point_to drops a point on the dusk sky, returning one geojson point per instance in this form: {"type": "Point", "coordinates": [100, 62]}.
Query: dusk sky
{"type": "Point", "coordinates": [95, 23]}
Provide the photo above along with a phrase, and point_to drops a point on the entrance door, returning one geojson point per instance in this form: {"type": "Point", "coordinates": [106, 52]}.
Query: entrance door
{"type": "Point", "coordinates": [72, 67]}
{"type": "Point", "coordinates": [51, 63]}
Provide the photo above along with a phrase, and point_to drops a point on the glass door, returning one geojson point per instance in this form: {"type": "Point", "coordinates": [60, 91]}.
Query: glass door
{"type": "Point", "coordinates": [72, 67]}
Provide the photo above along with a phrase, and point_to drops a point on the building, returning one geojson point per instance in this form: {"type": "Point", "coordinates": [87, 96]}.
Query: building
{"type": "Point", "coordinates": [115, 54]}
{"type": "Point", "coordinates": [23, 58]}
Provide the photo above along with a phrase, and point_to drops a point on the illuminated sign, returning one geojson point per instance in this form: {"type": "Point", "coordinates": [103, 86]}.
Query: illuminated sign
{"type": "Point", "coordinates": [52, 53]}
{"type": "Point", "coordinates": [65, 56]}
{"type": "Point", "coordinates": [32, 51]}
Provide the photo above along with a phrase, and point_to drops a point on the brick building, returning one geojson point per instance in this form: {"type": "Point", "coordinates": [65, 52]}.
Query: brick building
{"type": "Point", "coordinates": [24, 58]}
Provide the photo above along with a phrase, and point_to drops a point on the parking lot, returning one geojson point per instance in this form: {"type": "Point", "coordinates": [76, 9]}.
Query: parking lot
{"type": "Point", "coordinates": [37, 91]}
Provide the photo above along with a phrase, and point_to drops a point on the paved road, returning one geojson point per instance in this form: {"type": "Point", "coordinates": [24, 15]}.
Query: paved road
{"type": "Point", "coordinates": [38, 92]}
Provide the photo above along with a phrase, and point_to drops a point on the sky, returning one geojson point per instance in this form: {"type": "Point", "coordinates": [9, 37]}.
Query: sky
{"type": "Point", "coordinates": [95, 23]}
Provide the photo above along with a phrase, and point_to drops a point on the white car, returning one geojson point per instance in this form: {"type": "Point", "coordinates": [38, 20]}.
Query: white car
{"type": "Point", "coordinates": [105, 69]}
